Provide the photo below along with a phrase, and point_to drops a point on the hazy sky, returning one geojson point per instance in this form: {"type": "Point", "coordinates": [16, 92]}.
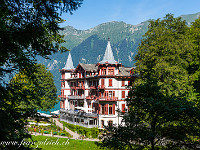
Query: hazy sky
{"type": "Point", "coordinates": [94, 12]}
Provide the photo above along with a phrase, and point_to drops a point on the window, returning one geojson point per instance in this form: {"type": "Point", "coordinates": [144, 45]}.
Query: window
{"type": "Point", "coordinates": [102, 81]}
{"type": "Point", "coordinates": [62, 92]}
{"type": "Point", "coordinates": [123, 94]}
{"type": "Point", "coordinates": [103, 71]}
{"type": "Point", "coordinates": [110, 72]}
{"type": "Point", "coordinates": [103, 109]}
{"type": "Point", "coordinates": [113, 93]}
{"type": "Point", "coordinates": [102, 94]}
{"type": "Point", "coordinates": [110, 123]}
{"type": "Point", "coordinates": [90, 83]}
{"type": "Point", "coordinates": [123, 107]}
{"type": "Point", "coordinates": [123, 82]}
{"type": "Point", "coordinates": [63, 75]}
{"type": "Point", "coordinates": [110, 82]}
{"type": "Point", "coordinates": [62, 84]}
{"type": "Point", "coordinates": [113, 109]}
{"type": "Point", "coordinates": [110, 94]}
{"type": "Point", "coordinates": [110, 110]}
{"type": "Point", "coordinates": [102, 123]}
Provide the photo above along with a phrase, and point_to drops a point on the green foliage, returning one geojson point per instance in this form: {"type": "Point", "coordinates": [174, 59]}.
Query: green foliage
{"type": "Point", "coordinates": [37, 93]}
{"type": "Point", "coordinates": [27, 29]}
{"type": "Point", "coordinates": [88, 132]}
{"type": "Point", "coordinates": [46, 132]}
{"type": "Point", "coordinates": [62, 134]}
{"type": "Point", "coordinates": [164, 103]}
{"type": "Point", "coordinates": [165, 53]}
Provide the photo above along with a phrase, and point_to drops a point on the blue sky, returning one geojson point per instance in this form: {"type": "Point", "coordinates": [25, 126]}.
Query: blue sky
{"type": "Point", "coordinates": [94, 12]}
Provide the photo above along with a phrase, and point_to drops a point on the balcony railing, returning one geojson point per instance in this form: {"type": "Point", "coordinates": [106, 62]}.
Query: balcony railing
{"type": "Point", "coordinates": [80, 87]}
{"type": "Point", "coordinates": [73, 87]}
{"type": "Point", "coordinates": [101, 86]}
{"type": "Point", "coordinates": [108, 98]}
{"type": "Point", "coordinates": [76, 97]}
{"type": "Point", "coordinates": [93, 87]}
{"type": "Point", "coordinates": [92, 97]}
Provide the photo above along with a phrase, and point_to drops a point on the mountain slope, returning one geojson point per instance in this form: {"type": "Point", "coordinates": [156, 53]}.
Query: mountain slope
{"type": "Point", "coordinates": [88, 46]}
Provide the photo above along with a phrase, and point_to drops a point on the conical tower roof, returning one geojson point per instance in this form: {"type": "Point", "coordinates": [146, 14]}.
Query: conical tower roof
{"type": "Point", "coordinates": [108, 56]}
{"type": "Point", "coordinates": [69, 64]}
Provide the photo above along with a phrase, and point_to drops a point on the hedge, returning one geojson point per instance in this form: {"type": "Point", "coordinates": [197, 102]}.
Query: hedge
{"type": "Point", "coordinates": [88, 132]}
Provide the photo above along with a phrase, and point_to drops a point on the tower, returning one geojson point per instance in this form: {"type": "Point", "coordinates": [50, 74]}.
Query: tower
{"type": "Point", "coordinates": [65, 87]}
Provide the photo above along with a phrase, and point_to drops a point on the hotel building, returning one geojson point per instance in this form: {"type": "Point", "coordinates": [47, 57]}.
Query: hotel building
{"type": "Point", "coordinates": [93, 95]}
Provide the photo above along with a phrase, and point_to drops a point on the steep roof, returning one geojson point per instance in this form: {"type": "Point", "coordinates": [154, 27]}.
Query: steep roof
{"type": "Point", "coordinates": [69, 64]}
{"type": "Point", "coordinates": [108, 56]}
{"type": "Point", "coordinates": [124, 71]}
{"type": "Point", "coordinates": [89, 67]}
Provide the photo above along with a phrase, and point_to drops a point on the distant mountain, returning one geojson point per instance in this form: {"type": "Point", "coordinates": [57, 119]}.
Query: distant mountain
{"type": "Point", "coordinates": [88, 46]}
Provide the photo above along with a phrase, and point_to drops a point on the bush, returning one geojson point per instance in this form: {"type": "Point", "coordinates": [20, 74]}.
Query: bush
{"type": "Point", "coordinates": [95, 132]}
{"type": "Point", "coordinates": [30, 129]}
{"type": "Point", "coordinates": [88, 132]}
{"type": "Point", "coordinates": [62, 134]}
{"type": "Point", "coordinates": [54, 133]}
{"type": "Point", "coordinates": [46, 132]}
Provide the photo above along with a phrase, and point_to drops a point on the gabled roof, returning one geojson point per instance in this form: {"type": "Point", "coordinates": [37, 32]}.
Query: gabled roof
{"type": "Point", "coordinates": [88, 67]}
{"type": "Point", "coordinates": [69, 64]}
{"type": "Point", "coordinates": [124, 71]}
{"type": "Point", "coordinates": [108, 56]}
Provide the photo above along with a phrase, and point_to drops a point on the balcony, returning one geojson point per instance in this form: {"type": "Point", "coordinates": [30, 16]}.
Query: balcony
{"type": "Point", "coordinates": [91, 97]}
{"type": "Point", "coordinates": [76, 97]}
{"type": "Point", "coordinates": [62, 96]}
{"type": "Point", "coordinates": [101, 86]}
{"type": "Point", "coordinates": [108, 98]}
{"type": "Point", "coordinates": [92, 87]}
{"type": "Point", "coordinates": [73, 87]}
{"type": "Point", "coordinates": [80, 87]}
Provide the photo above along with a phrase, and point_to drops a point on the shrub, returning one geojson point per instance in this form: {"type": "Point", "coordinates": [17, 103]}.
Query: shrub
{"type": "Point", "coordinates": [54, 133]}
{"type": "Point", "coordinates": [62, 134]}
{"type": "Point", "coordinates": [88, 132]}
{"type": "Point", "coordinates": [46, 132]}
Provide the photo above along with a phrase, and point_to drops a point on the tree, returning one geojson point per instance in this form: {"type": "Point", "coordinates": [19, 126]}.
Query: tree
{"type": "Point", "coordinates": [155, 121]}
{"type": "Point", "coordinates": [164, 106]}
{"type": "Point", "coordinates": [39, 93]}
{"type": "Point", "coordinates": [28, 28]}
{"type": "Point", "coordinates": [194, 67]}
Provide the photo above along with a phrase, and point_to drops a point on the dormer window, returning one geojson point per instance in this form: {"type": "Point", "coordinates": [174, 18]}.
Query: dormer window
{"type": "Point", "coordinates": [110, 71]}
{"type": "Point", "coordinates": [103, 71]}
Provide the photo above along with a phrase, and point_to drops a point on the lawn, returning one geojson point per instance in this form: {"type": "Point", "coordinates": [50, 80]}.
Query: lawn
{"type": "Point", "coordinates": [53, 143]}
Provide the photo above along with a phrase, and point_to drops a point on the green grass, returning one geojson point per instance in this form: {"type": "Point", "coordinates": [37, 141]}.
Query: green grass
{"type": "Point", "coordinates": [70, 144]}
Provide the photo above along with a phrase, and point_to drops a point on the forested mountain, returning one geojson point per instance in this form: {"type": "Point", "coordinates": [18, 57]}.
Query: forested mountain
{"type": "Point", "coordinates": [88, 46]}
